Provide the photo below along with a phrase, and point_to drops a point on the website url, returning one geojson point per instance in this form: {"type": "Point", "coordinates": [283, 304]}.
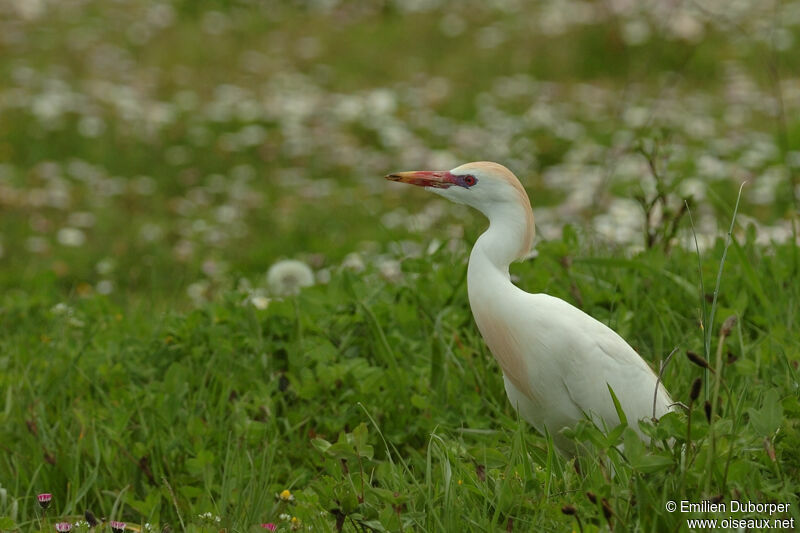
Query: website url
{"type": "Point", "coordinates": [736, 523]}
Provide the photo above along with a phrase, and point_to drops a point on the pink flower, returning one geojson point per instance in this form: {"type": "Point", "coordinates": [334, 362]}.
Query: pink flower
{"type": "Point", "coordinates": [63, 526]}
{"type": "Point", "coordinates": [270, 526]}
{"type": "Point", "coordinates": [44, 499]}
{"type": "Point", "coordinates": [117, 527]}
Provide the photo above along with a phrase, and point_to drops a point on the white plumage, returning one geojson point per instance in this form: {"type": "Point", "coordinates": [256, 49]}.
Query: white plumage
{"type": "Point", "coordinates": [557, 361]}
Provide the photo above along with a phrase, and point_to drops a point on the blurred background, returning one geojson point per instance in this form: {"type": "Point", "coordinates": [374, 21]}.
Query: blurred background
{"type": "Point", "coordinates": [162, 151]}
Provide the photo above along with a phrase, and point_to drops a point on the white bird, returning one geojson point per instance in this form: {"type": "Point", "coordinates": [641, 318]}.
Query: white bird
{"type": "Point", "coordinates": [557, 361]}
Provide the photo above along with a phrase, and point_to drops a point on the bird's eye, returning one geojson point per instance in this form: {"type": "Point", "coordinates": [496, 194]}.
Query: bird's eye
{"type": "Point", "coordinates": [470, 180]}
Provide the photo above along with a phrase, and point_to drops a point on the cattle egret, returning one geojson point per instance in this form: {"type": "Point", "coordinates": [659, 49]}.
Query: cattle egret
{"type": "Point", "coordinates": [558, 362]}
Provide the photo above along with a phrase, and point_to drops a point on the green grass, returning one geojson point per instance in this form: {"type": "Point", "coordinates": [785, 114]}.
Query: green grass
{"type": "Point", "coordinates": [228, 405]}
{"type": "Point", "coordinates": [138, 380]}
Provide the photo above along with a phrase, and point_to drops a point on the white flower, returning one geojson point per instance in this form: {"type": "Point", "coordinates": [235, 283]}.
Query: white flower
{"type": "Point", "coordinates": [150, 232]}
{"type": "Point", "coordinates": [390, 270]}
{"type": "Point", "coordinates": [105, 286]}
{"type": "Point", "coordinates": [635, 32]}
{"type": "Point", "coordinates": [198, 291]}
{"type": "Point", "coordinates": [105, 266]}
{"type": "Point", "coordinates": [259, 301]}
{"type": "Point", "coordinates": [61, 309]}
{"type": "Point", "coordinates": [91, 126]}
{"type": "Point", "coordinates": [210, 517]}
{"type": "Point", "coordinates": [687, 27]}
{"type": "Point", "coordinates": [354, 262]}
{"type": "Point", "coordinates": [288, 277]}
{"type": "Point", "coordinates": [324, 276]}
{"type": "Point", "coordinates": [69, 314]}
{"type": "Point", "coordinates": [433, 246]}
{"type": "Point", "coordinates": [71, 237]}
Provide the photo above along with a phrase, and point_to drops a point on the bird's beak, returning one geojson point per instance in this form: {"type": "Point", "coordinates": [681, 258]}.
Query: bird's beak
{"type": "Point", "coordinates": [438, 179]}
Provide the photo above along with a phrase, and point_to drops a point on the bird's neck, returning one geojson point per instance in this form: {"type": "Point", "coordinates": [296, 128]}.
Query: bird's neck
{"type": "Point", "coordinates": [492, 296]}
{"type": "Point", "coordinates": [508, 238]}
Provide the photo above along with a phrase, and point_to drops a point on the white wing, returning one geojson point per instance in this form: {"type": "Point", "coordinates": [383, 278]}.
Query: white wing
{"type": "Point", "coordinates": [569, 360]}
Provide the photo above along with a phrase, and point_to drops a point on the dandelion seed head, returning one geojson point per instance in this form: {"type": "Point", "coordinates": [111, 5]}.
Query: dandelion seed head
{"type": "Point", "coordinates": [289, 277]}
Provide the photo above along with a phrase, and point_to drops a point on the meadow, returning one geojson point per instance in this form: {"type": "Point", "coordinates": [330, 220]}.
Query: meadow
{"type": "Point", "coordinates": [157, 159]}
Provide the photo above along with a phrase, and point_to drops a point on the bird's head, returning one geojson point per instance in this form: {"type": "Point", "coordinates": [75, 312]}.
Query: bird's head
{"type": "Point", "coordinates": [483, 185]}
{"type": "Point", "coordinates": [488, 187]}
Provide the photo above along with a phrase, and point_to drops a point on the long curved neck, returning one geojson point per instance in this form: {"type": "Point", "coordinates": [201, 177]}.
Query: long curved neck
{"type": "Point", "coordinates": [508, 238]}
{"type": "Point", "coordinates": [491, 293]}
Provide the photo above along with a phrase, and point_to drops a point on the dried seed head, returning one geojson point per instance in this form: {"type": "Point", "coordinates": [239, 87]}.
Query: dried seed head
{"type": "Point", "coordinates": [607, 512]}
{"type": "Point", "coordinates": [707, 408]}
{"type": "Point", "coordinates": [90, 518]}
{"type": "Point", "coordinates": [569, 510]}
{"type": "Point", "coordinates": [591, 496]}
{"type": "Point", "coordinates": [698, 360]}
{"type": "Point", "coordinates": [716, 499]}
{"type": "Point", "coordinates": [727, 326]}
{"type": "Point", "coordinates": [697, 384]}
